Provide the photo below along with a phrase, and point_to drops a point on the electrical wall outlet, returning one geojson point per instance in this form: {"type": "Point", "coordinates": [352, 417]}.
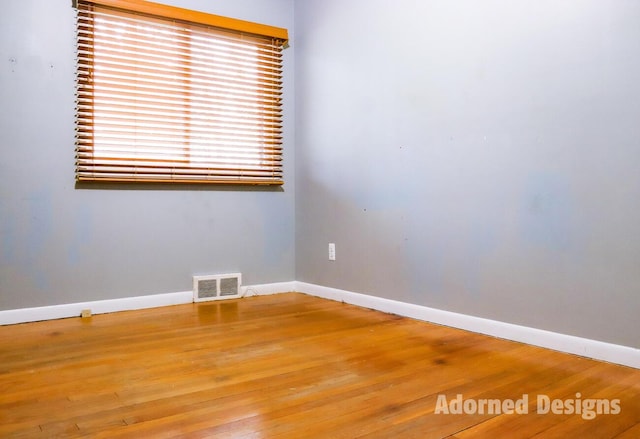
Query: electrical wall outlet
{"type": "Point", "coordinates": [332, 251]}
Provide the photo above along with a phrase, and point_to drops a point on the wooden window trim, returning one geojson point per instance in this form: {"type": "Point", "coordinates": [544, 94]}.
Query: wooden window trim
{"type": "Point", "coordinates": [177, 13]}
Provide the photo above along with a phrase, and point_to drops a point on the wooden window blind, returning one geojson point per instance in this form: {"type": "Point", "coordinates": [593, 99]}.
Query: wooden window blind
{"type": "Point", "coordinates": [166, 94]}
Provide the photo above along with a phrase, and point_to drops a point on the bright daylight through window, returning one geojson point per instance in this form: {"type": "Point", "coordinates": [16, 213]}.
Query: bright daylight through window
{"type": "Point", "coordinates": [165, 94]}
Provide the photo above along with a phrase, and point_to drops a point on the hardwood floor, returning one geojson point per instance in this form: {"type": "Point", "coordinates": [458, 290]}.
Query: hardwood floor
{"type": "Point", "coordinates": [290, 366]}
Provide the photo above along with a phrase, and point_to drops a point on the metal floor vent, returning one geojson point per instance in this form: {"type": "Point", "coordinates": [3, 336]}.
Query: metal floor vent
{"type": "Point", "coordinates": [216, 287]}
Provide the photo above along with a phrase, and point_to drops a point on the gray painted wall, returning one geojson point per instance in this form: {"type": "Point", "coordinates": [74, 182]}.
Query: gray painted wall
{"type": "Point", "coordinates": [481, 157]}
{"type": "Point", "coordinates": [62, 245]}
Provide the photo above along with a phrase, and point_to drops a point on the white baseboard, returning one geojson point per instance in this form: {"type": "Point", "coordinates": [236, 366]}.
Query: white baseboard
{"type": "Point", "coordinates": [24, 315]}
{"type": "Point", "coordinates": [268, 289]}
{"type": "Point", "coordinates": [598, 350]}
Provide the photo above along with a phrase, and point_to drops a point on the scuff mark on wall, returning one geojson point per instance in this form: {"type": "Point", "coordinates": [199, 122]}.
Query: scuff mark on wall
{"type": "Point", "coordinates": [546, 215]}
{"type": "Point", "coordinates": [39, 225]}
{"type": "Point", "coordinates": [12, 64]}
{"type": "Point", "coordinates": [27, 225]}
{"type": "Point", "coordinates": [483, 240]}
{"type": "Point", "coordinates": [7, 235]}
{"type": "Point", "coordinates": [82, 235]}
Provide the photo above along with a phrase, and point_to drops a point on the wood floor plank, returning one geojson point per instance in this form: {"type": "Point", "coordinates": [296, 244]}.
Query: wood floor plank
{"type": "Point", "coordinates": [631, 433]}
{"type": "Point", "coordinates": [287, 366]}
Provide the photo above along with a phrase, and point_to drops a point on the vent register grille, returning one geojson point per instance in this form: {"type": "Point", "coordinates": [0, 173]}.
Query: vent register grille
{"type": "Point", "coordinates": [216, 287]}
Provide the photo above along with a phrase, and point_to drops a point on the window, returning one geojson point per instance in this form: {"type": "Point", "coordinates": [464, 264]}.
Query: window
{"type": "Point", "coordinates": [165, 94]}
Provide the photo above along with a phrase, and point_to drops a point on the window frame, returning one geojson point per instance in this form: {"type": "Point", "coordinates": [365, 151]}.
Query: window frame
{"type": "Point", "coordinates": [257, 161]}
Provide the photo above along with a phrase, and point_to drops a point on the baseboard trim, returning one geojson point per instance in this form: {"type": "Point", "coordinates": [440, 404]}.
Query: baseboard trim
{"type": "Point", "coordinates": [598, 350]}
{"type": "Point", "coordinates": [25, 315]}
{"type": "Point", "coordinates": [268, 289]}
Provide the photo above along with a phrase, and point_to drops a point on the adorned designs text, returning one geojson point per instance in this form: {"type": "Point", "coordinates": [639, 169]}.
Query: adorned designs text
{"type": "Point", "coordinates": [587, 408]}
